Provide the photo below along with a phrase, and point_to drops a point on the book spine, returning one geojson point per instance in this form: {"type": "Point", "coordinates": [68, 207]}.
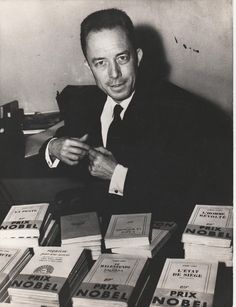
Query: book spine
{"type": "Point", "coordinates": [172, 297]}
{"type": "Point", "coordinates": [98, 291]}
{"type": "Point", "coordinates": [170, 226]}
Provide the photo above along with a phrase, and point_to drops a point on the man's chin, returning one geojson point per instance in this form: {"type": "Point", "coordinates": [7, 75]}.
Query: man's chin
{"type": "Point", "coordinates": [119, 96]}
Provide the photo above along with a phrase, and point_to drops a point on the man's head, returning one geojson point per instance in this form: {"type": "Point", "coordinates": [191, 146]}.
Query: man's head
{"type": "Point", "coordinates": [108, 43]}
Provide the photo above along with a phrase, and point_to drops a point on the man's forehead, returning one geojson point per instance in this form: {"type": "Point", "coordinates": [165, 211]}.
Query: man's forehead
{"type": "Point", "coordinates": [108, 38]}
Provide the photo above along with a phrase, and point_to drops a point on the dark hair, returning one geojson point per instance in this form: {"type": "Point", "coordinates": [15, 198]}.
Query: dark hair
{"type": "Point", "coordinates": [106, 19]}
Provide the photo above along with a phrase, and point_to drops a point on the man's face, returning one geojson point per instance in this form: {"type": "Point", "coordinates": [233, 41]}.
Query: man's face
{"type": "Point", "coordinates": [113, 62]}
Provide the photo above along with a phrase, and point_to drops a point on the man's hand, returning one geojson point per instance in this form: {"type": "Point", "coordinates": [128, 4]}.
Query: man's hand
{"type": "Point", "coordinates": [69, 150]}
{"type": "Point", "coordinates": [102, 163]}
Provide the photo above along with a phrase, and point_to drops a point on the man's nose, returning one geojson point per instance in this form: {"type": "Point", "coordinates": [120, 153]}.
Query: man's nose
{"type": "Point", "coordinates": [114, 70]}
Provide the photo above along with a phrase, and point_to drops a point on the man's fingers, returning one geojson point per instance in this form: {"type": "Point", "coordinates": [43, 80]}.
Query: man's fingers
{"type": "Point", "coordinates": [98, 151]}
{"type": "Point", "coordinates": [92, 154]}
{"type": "Point", "coordinates": [72, 157]}
{"type": "Point", "coordinates": [102, 150]}
{"type": "Point", "coordinates": [77, 143]}
{"type": "Point", "coordinates": [84, 138]}
{"type": "Point", "coordinates": [78, 151]}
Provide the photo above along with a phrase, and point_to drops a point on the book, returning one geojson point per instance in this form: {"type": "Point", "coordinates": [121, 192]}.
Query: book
{"type": "Point", "coordinates": [24, 221]}
{"type": "Point", "coordinates": [210, 225]}
{"type": "Point", "coordinates": [48, 231]}
{"type": "Point", "coordinates": [114, 280]}
{"type": "Point", "coordinates": [186, 283]}
{"type": "Point", "coordinates": [50, 276]}
{"type": "Point", "coordinates": [208, 249]}
{"type": "Point", "coordinates": [81, 227]}
{"type": "Point", "coordinates": [161, 232]}
{"type": "Point", "coordinates": [12, 261]}
{"type": "Point", "coordinates": [82, 230]}
{"type": "Point", "coordinates": [128, 230]}
{"type": "Point", "coordinates": [37, 121]}
{"type": "Point", "coordinates": [50, 234]}
{"type": "Point", "coordinates": [215, 253]}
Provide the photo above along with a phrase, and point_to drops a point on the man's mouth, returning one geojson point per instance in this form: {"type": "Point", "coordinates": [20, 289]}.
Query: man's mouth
{"type": "Point", "coordinates": [117, 86]}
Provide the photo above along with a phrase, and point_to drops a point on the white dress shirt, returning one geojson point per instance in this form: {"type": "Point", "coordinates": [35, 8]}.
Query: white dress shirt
{"type": "Point", "coordinates": [118, 178]}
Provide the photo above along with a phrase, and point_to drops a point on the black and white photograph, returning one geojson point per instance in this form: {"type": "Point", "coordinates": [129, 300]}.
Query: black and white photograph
{"type": "Point", "coordinates": [116, 153]}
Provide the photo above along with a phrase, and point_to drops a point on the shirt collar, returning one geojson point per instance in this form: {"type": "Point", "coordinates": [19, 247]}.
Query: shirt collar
{"type": "Point", "coordinates": [110, 103]}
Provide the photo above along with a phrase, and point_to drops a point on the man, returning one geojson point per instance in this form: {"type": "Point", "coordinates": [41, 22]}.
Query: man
{"type": "Point", "coordinates": [139, 141]}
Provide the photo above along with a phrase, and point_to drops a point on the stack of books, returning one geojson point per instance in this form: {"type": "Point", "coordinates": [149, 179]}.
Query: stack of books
{"type": "Point", "coordinates": [28, 225]}
{"type": "Point", "coordinates": [209, 233]}
{"type": "Point", "coordinates": [185, 282]}
{"type": "Point", "coordinates": [50, 277]}
{"type": "Point", "coordinates": [160, 234]}
{"type": "Point", "coordinates": [82, 230]}
{"type": "Point", "coordinates": [12, 261]}
{"type": "Point", "coordinates": [128, 230]}
{"type": "Point", "coordinates": [114, 280]}
{"type": "Point", "coordinates": [38, 122]}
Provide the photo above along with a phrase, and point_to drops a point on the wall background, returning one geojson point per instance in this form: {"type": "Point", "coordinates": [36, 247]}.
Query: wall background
{"type": "Point", "coordinates": [40, 49]}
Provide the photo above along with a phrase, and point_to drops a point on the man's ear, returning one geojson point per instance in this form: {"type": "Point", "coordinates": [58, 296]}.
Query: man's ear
{"type": "Point", "coordinates": [139, 54]}
{"type": "Point", "coordinates": [86, 64]}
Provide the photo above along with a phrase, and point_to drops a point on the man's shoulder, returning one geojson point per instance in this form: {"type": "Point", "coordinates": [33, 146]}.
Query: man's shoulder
{"type": "Point", "coordinates": [77, 98]}
{"type": "Point", "coordinates": [174, 104]}
{"type": "Point", "coordinates": [168, 94]}
{"type": "Point", "coordinates": [75, 92]}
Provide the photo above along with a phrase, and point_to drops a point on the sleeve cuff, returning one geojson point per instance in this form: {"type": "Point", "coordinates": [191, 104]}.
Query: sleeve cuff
{"type": "Point", "coordinates": [54, 163]}
{"type": "Point", "coordinates": [118, 180]}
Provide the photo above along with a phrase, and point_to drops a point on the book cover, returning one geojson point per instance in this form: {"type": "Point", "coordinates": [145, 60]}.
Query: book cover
{"type": "Point", "coordinates": [186, 283]}
{"type": "Point", "coordinates": [211, 225]}
{"type": "Point", "coordinates": [47, 271]}
{"type": "Point", "coordinates": [132, 229]}
{"type": "Point", "coordinates": [80, 227]}
{"type": "Point", "coordinates": [12, 262]}
{"type": "Point", "coordinates": [112, 278]}
{"type": "Point", "coordinates": [24, 220]}
{"type": "Point", "coordinates": [9, 258]}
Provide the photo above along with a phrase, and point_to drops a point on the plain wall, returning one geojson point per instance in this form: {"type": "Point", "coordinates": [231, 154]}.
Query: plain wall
{"type": "Point", "coordinates": [40, 49]}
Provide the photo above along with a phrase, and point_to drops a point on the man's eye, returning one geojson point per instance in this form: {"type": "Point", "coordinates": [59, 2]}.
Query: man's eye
{"type": "Point", "coordinates": [100, 63]}
{"type": "Point", "coordinates": [122, 59]}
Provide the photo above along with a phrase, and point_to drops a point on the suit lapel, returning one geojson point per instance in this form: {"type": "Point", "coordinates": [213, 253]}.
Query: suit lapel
{"type": "Point", "coordinates": [95, 134]}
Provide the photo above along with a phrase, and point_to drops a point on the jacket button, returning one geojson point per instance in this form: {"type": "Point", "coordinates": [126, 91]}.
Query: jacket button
{"type": "Point", "coordinates": [116, 191]}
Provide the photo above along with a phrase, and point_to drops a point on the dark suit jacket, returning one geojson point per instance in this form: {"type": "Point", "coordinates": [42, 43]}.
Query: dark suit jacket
{"type": "Point", "coordinates": [169, 143]}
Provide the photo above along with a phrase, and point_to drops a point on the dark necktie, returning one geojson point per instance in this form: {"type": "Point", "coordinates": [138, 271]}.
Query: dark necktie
{"type": "Point", "coordinates": [114, 131]}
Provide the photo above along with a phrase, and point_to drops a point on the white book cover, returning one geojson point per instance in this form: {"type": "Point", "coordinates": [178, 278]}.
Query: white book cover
{"type": "Point", "coordinates": [24, 220]}
{"type": "Point", "coordinates": [186, 282]}
{"type": "Point", "coordinates": [80, 227]}
{"type": "Point", "coordinates": [47, 271]}
{"type": "Point", "coordinates": [113, 278]}
{"type": "Point", "coordinates": [131, 229]}
{"type": "Point", "coordinates": [210, 225]}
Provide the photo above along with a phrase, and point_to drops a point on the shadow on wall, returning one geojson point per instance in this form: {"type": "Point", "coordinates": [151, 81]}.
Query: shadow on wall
{"type": "Point", "coordinates": [154, 65]}
{"type": "Point", "coordinates": [213, 122]}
